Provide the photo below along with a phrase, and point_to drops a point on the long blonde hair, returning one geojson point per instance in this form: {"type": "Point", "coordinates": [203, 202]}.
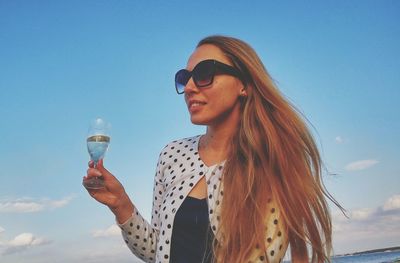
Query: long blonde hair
{"type": "Point", "coordinates": [273, 156]}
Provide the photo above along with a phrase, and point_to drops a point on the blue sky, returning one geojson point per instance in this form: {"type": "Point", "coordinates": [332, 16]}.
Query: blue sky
{"type": "Point", "coordinates": [65, 63]}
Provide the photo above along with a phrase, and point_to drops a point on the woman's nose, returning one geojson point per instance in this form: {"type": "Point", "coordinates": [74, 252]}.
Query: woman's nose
{"type": "Point", "coordinates": [190, 87]}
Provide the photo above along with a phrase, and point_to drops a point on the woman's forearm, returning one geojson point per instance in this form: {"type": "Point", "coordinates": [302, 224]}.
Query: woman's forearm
{"type": "Point", "coordinates": [124, 210]}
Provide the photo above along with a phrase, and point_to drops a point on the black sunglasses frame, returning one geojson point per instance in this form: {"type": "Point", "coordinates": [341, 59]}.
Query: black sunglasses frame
{"type": "Point", "coordinates": [215, 67]}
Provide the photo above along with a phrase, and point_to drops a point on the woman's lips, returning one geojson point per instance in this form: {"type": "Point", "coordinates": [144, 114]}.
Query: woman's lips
{"type": "Point", "coordinates": [195, 105]}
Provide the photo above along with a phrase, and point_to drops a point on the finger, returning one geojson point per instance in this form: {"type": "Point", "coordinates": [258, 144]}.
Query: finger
{"type": "Point", "coordinates": [92, 172]}
{"type": "Point", "coordinates": [91, 164]}
{"type": "Point", "coordinates": [106, 174]}
{"type": "Point", "coordinates": [92, 193]}
{"type": "Point", "coordinates": [99, 195]}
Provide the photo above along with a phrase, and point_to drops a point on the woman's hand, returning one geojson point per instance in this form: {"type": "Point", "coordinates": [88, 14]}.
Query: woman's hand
{"type": "Point", "coordinates": [112, 195]}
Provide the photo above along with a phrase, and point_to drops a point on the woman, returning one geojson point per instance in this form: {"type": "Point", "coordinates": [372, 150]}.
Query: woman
{"type": "Point", "coordinates": [243, 191]}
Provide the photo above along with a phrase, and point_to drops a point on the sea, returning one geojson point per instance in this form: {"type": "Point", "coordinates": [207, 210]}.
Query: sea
{"type": "Point", "coordinates": [378, 257]}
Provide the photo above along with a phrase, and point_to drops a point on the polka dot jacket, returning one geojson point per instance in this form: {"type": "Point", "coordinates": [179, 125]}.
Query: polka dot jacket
{"type": "Point", "coordinates": [179, 168]}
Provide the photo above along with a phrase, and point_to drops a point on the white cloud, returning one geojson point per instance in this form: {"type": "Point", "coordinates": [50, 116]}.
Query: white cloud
{"type": "Point", "coordinates": [111, 253]}
{"type": "Point", "coordinates": [1, 230]}
{"type": "Point", "coordinates": [20, 243]}
{"type": "Point", "coordinates": [30, 205]}
{"type": "Point", "coordinates": [26, 239]}
{"type": "Point", "coordinates": [367, 227]}
{"type": "Point", "coordinates": [361, 214]}
{"type": "Point", "coordinates": [392, 203]}
{"type": "Point", "coordinates": [361, 165]}
{"type": "Point", "coordinates": [113, 230]}
{"type": "Point", "coordinates": [339, 139]}
{"type": "Point", "coordinates": [60, 203]}
{"type": "Point", "coordinates": [20, 207]}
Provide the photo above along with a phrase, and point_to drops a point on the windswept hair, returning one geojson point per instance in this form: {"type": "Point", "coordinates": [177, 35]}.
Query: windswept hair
{"type": "Point", "coordinates": [273, 156]}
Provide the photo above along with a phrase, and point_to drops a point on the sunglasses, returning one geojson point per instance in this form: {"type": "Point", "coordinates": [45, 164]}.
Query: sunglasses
{"type": "Point", "coordinates": [203, 74]}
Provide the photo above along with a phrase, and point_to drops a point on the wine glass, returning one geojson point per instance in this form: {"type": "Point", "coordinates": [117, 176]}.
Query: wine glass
{"type": "Point", "coordinates": [97, 142]}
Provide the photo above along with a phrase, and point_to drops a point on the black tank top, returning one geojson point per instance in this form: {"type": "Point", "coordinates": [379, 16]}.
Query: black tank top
{"type": "Point", "coordinates": [192, 236]}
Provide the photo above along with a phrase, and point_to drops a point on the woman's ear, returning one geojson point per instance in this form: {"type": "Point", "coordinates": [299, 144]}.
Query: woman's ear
{"type": "Point", "coordinates": [243, 92]}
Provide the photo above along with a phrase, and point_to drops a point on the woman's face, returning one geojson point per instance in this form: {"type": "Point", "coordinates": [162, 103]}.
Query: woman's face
{"type": "Point", "coordinates": [217, 103]}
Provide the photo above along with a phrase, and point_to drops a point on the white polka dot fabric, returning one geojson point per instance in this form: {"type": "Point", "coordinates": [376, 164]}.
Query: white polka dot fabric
{"type": "Point", "coordinates": [179, 168]}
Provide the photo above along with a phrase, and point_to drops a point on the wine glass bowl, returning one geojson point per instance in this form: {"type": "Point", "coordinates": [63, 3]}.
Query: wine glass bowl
{"type": "Point", "coordinates": [97, 142]}
{"type": "Point", "coordinates": [97, 146]}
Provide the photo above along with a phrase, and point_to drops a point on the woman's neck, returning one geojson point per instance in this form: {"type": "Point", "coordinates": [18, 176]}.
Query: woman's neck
{"type": "Point", "coordinates": [215, 144]}
{"type": "Point", "coordinates": [217, 140]}
{"type": "Point", "coordinates": [220, 132]}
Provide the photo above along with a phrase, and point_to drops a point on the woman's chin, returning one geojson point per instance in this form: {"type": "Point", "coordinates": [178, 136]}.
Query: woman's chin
{"type": "Point", "coordinates": [197, 120]}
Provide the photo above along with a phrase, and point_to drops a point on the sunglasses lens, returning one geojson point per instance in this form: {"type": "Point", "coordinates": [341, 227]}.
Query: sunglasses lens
{"type": "Point", "coordinates": [203, 73]}
{"type": "Point", "coordinates": [181, 79]}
